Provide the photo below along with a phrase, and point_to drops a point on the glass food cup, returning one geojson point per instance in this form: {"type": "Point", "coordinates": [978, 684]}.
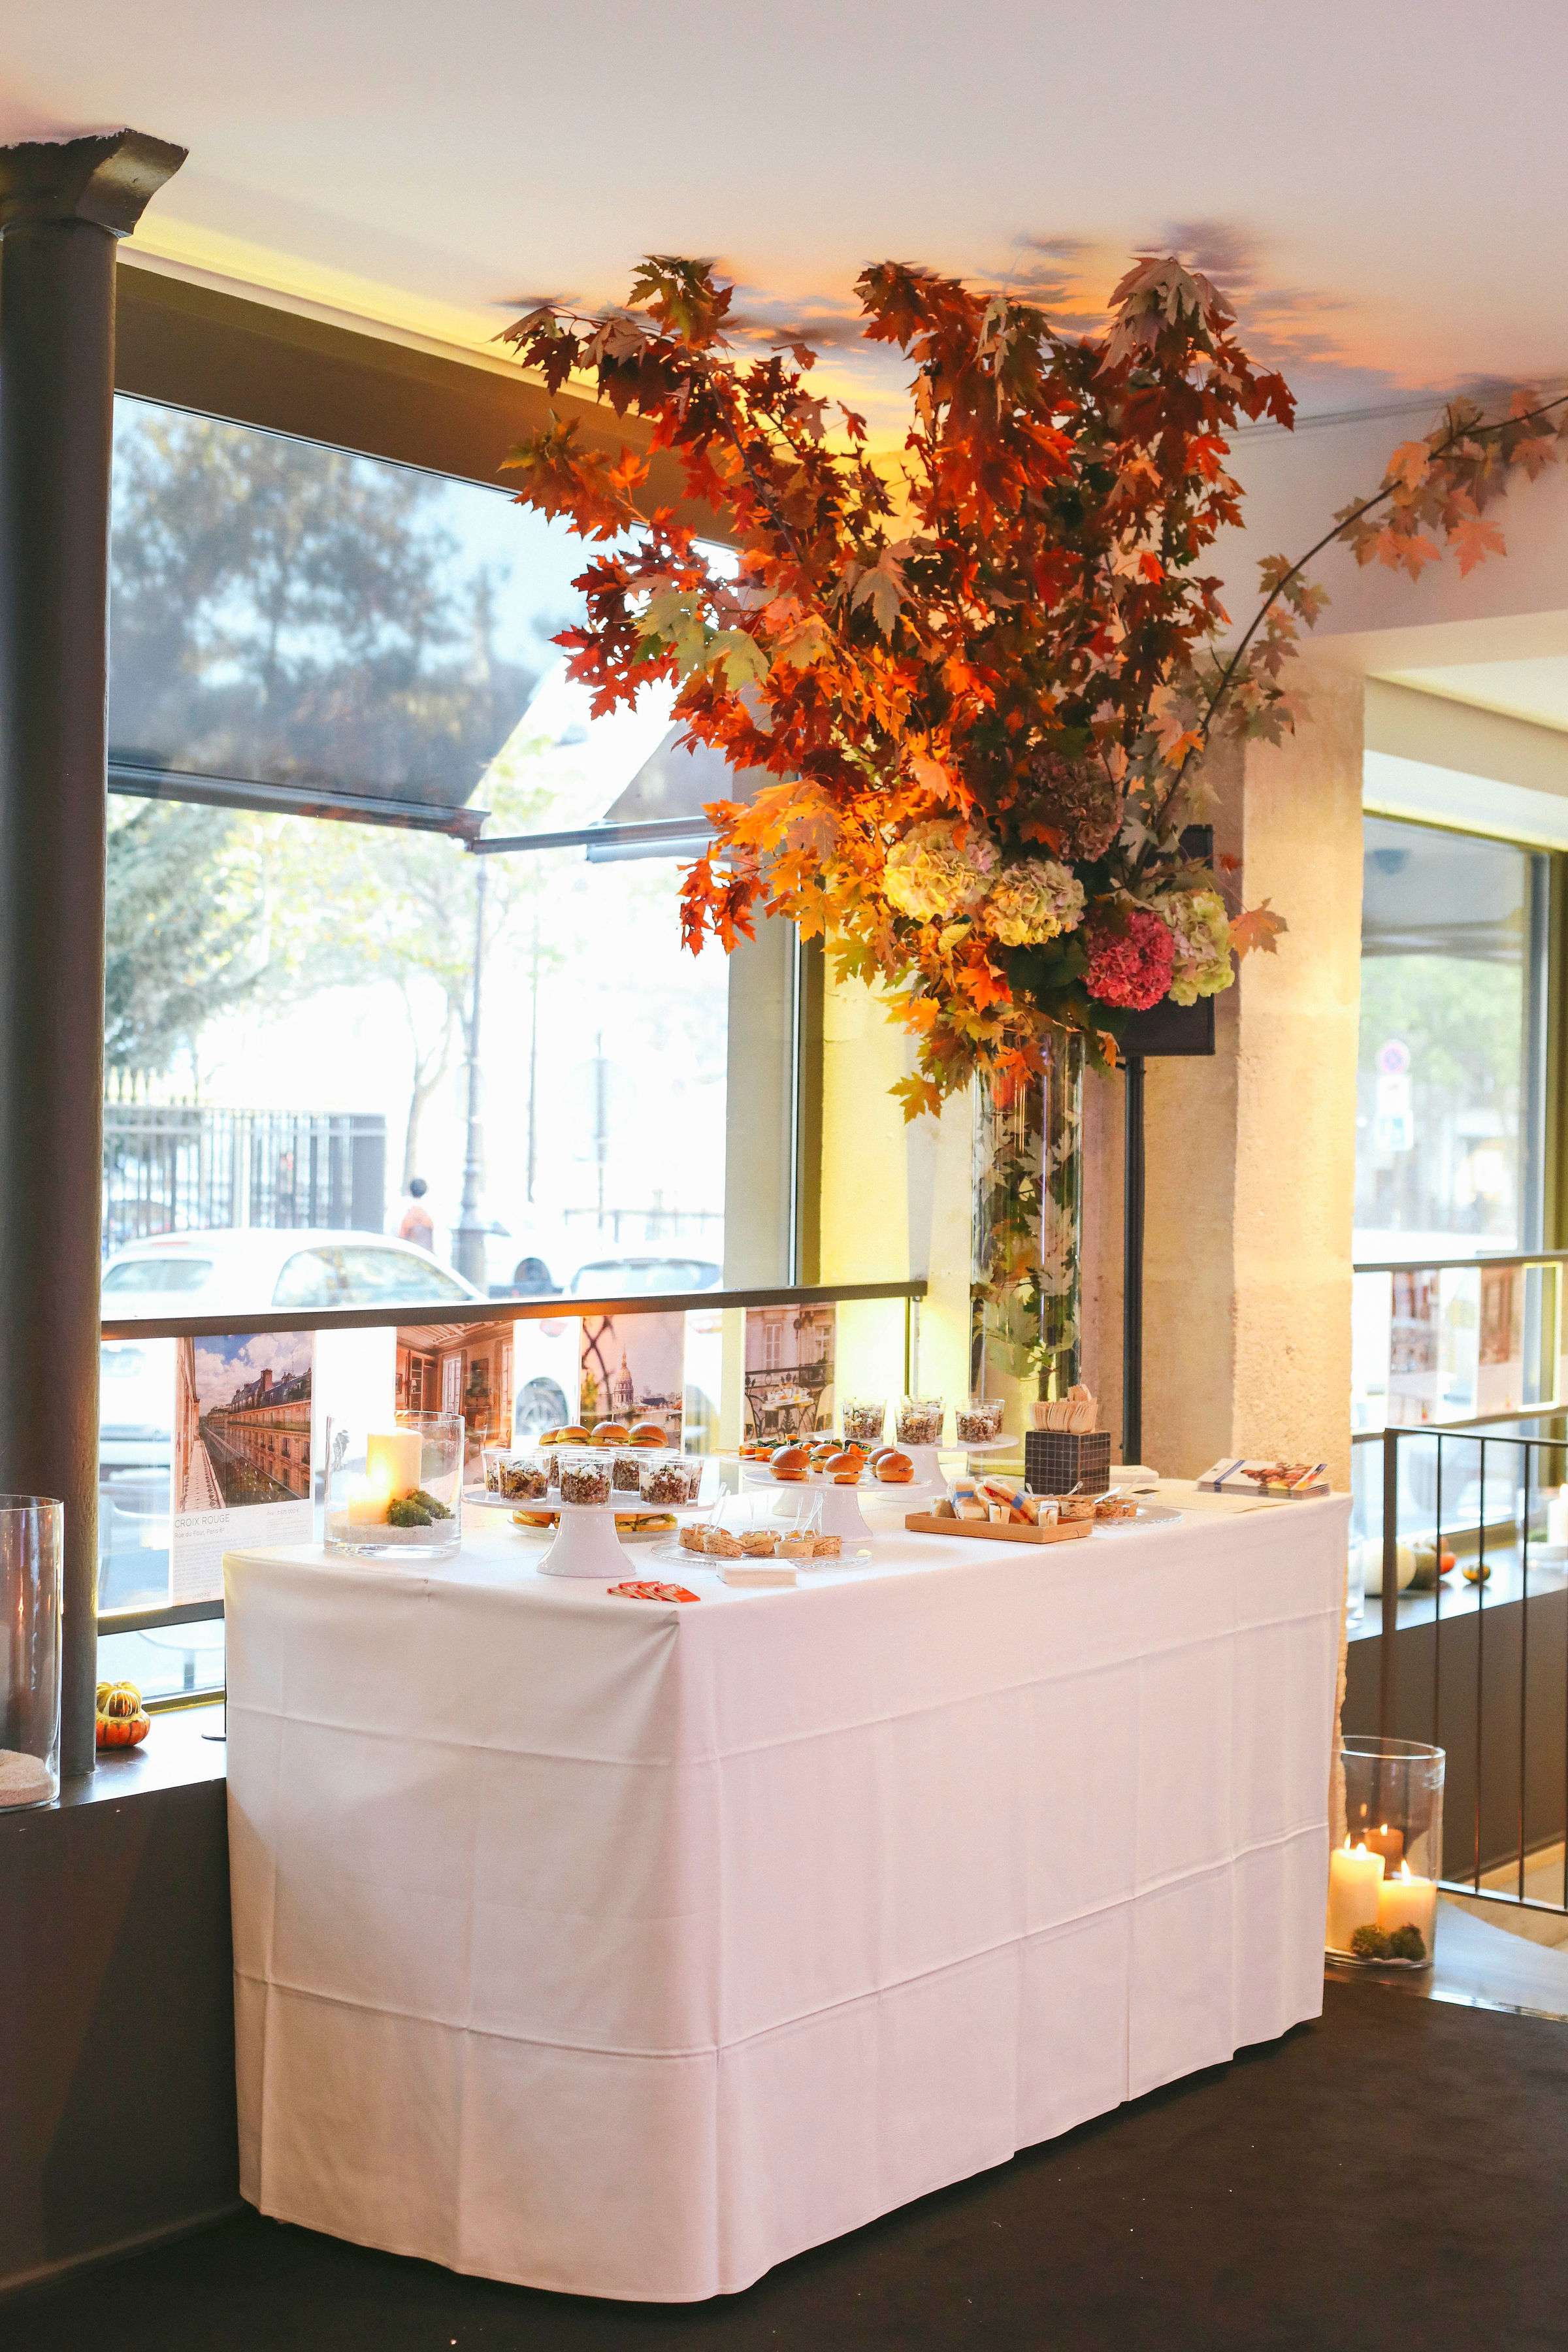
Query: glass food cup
{"type": "Point", "coordinates": [32, 1545]}
{"type": "Point", "coordinates": [919, 1420]}
{"type": "Point", "coordinates": [676, 1479]}
{"type": "Point", "coordinates": [979, 1422]}
{"type": "Point", "coordinates": [397, 1488]}
{"type": "Point", "coordinates": [627, 1470]}
{"type": "Point", "coordinates": [583, 1476]}
{"type": "Point", "coordinates": [515, 1477]}
{"type": "Point", "coordinates": [864, 1419]}
{"type": "Point", "coordinates": [1383, 1874]}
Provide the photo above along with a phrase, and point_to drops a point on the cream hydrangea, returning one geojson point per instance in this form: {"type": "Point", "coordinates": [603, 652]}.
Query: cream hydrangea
{"type": "Point", "coordinates": [933, 874]}
{"type": "Point", "coordinates": [1031, 903]}
{"type": "Point", "coordinates": [1198, 923]}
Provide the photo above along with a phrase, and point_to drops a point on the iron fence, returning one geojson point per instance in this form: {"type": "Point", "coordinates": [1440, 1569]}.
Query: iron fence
{"type": "Point", "coordinates": [174, 1167]}
{"type": "Point", "coordinates": [652, 1226]}
{"type": "Point", "coordinates": [1474, 1658]}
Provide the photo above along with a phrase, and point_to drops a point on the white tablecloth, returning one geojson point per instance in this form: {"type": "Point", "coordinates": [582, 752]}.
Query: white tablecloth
{"type": "Point", "coordinates": [628, 1948]}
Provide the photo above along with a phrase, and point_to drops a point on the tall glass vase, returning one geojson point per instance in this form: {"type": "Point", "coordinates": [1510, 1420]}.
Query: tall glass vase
{"type": "Point", "coordinates": [1027, 1228]}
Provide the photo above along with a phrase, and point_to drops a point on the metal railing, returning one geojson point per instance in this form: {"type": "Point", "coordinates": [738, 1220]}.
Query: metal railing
{"type": "Point", "coordinates": [1484, 1676]}
{"type": "Point", "coordinates": [175, 1167]}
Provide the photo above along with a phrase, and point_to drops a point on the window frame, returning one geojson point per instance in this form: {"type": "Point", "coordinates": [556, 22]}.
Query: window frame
{"type": "Point", "coordinates": [1543, 1190]}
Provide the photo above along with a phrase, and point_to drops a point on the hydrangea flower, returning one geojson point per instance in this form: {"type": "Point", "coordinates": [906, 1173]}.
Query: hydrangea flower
{"type": "Point", "coordinates": [933, 873]}
{"type": "Point", "coordinates": [1200, 930]}
{"type": "Point", "coordinates": [1030, 903]}
{"type": "Point", "coordinates": [1131, 966]}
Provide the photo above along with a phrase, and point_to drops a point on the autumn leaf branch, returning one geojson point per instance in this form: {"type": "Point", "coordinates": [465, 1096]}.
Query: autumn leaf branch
{"type": "Point", "coordinates": [1344, 523]}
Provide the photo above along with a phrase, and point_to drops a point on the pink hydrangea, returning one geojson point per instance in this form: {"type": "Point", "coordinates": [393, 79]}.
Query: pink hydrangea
{"type": "Point", "coordinates": [1131, 966]}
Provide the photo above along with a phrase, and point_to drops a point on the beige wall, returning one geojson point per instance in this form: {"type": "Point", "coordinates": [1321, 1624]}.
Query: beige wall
{"type": "Point", "coordinates": [895, 1200]}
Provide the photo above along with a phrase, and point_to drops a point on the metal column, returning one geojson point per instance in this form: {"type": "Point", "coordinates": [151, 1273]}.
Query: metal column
{"type": "Point", "coordinates": [62, 208]}
{"type": "Point", "coordinates": [1133, 1265]}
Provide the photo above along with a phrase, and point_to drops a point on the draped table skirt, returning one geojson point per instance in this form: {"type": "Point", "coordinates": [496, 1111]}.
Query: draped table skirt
{"type": "Point", "coordinates": [627, 1948]}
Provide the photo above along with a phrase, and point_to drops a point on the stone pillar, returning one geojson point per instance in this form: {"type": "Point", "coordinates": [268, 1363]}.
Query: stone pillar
{"type": "Point", "coordinates": [1251, 1155]}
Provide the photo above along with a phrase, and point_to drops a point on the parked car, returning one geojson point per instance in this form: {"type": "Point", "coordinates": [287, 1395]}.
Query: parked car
{"type": "Point", "coordinates": [641, 1277]}
{"type": "Point", "coordinates": [227, 1271]}
{"type": "Point", "coordinates": [247, 1268]}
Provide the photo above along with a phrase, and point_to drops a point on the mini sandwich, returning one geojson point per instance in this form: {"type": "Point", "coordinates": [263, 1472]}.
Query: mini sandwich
{"type": "Point", "coordinates": [1006, 1501]}
{"type": "Point", "coordinates": [790, 1463]}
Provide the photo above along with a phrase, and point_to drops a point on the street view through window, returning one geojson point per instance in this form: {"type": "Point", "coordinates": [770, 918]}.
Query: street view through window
{"type": "Point", "coordinates": [302, 1109]}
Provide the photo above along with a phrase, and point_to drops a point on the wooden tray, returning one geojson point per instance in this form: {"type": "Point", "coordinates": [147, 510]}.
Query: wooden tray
{"type": "Point", "coordinates": [926, 1522]}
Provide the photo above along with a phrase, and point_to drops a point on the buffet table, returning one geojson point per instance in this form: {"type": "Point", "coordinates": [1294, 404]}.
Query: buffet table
{"type": "Point", "coordinates": [628, 1947]}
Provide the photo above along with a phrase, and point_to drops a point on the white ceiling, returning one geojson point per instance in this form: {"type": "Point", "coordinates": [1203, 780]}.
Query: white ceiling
{"type": "Point", "coordinates": [1380, 184]}
{"type": "Point", "coordinates": [1379, 187]}
{"type": "Point", "coordinates": [1534, 689]}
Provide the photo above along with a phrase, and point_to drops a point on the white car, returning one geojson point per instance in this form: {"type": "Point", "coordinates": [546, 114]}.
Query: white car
{"type": "Point", "coordinates": [234, 1271]}
{"type": "Point", "coordinates": [239, 1270]}
{"type": "Point", "coordinates": [253, 1268]}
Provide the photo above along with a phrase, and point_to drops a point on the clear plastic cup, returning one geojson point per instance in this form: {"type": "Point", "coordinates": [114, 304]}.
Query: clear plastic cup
{"type": "Point", "coordinates": [919, 1420]}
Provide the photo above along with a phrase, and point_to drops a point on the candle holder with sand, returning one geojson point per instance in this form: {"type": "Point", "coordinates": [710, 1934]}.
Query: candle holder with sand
{"type": "Point", "coordinates": [396, 1489]}
{"type": "Point", "coordinates": [1384, 1874]}
{"type": "Point", "coordinates": [32, 1541]}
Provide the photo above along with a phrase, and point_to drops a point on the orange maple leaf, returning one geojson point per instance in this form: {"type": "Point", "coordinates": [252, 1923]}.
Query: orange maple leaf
{"type": "Point", "coordinates": [1410, 463]}
{"type": "Point", "coordinates": [986, 986]}
{"type": "Point", "coordinates": [1406, 550]}
{"type": "Point", "coordinates": [1256, 927]}
{"type": "Point", "coordinates": [1473, 539]}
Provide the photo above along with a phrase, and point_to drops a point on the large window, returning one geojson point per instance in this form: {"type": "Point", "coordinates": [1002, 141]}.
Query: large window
{"type": "Point", "coordinates": [1450, 1095]}
{"type": "Point", "coordinates": [351, 1063]}
{"type": "Point", "coordinates": [307, 1017]}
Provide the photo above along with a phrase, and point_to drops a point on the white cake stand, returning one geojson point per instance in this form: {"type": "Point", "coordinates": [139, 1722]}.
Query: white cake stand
{"type": "Point", "coordinates": [841, 1514]}
{"type": "Point", "coordinates": [586, 1542]}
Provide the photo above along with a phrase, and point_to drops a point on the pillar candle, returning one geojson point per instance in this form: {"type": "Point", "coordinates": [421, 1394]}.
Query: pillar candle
{"type": "Point", "coordinates": [393, 1460]}
{"type": "Point", "coordinates": [1354, 1878]}
{"type": "Point", "coordinates": [1404, 1901]}
{"type": "Point", "coordinates": [1388, 1843]}
{"type": "Point", "coordinates": [366, 1503]}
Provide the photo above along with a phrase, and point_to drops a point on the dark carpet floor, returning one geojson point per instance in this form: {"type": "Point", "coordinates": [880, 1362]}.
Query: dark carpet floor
{"type": "Point", "coordinates": [1396, 2176]}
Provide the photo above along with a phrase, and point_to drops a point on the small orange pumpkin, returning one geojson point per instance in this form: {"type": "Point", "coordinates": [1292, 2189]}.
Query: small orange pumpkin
{"type": "Point", "coordinates": [123, 1720]}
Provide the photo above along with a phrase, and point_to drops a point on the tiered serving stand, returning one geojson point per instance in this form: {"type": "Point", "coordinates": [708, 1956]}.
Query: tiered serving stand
{"type": "Point", "coordinates": [584, 1542]}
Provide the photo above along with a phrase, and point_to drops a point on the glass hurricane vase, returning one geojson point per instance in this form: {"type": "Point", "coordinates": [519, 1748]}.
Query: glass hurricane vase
{"type": "Point", "coordinates": [1027, 1228]}
{"type": "Point", "coordinates": [32, 1545]}
{"type": "Point", "coordinates": [397, 1488]}
{"type": "Point", "coordinates": [1384, 1871]}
